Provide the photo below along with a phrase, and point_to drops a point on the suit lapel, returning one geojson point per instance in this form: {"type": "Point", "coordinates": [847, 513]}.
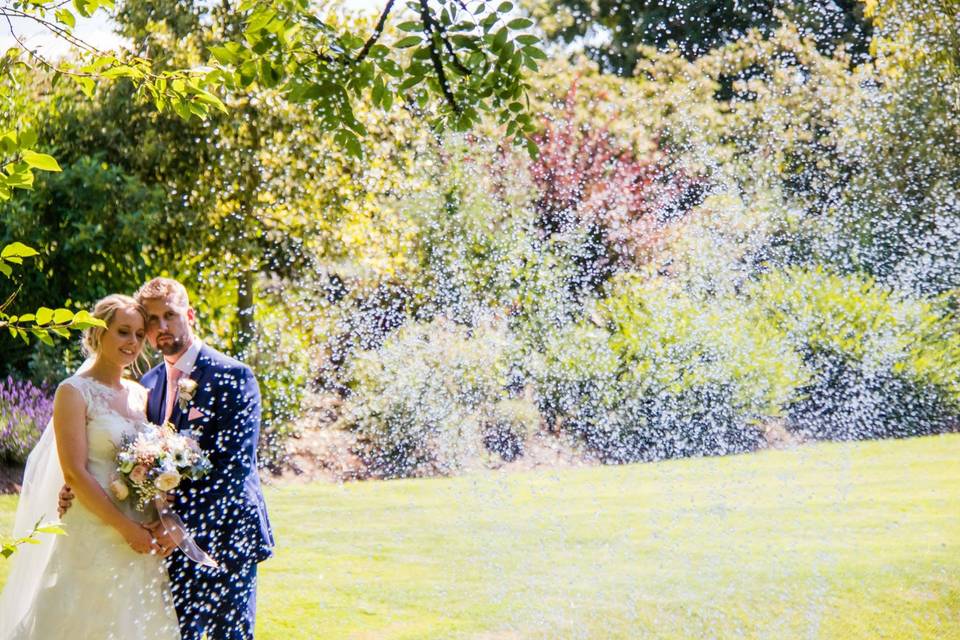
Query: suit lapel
{"type": "Point", "coordinates": [178, 417]}
{"type": "Point", "coordinates": [157, 396]}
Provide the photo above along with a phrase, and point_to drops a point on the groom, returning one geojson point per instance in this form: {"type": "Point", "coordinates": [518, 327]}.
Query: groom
{"type": "Point", "coordinates": [199, 389]}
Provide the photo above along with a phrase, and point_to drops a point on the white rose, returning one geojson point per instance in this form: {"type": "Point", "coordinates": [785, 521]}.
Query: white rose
{"type": "Point", "coordinates": [186, 388]}
{"type": "Point", "coordinates": [119, 489]}
{"type": "Point", "coordinates": [167, 480]}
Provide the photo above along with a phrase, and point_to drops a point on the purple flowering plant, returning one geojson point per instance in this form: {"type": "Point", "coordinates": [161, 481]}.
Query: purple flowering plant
{"type": "Point", "coordinates": [25, 410]}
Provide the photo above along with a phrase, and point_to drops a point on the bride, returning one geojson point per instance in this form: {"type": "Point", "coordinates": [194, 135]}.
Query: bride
{"type": "Point", "coordinates": [105, 578]}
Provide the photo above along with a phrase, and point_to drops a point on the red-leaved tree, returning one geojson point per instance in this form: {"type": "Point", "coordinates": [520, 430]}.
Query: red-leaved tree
{"type": "Point", "coordinates": [586, 176]}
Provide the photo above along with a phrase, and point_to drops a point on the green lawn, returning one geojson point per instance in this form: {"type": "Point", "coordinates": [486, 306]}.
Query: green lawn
{"type": "Point", "coordinates": [825, 541]}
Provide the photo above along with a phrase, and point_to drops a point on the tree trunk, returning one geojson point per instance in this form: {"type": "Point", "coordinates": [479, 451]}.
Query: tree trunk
{"type": "Point", "coordinates": [246, 327]}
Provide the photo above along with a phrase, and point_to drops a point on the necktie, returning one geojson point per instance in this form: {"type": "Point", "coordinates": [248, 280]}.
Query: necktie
{"type": "Point", "coordinates": [173, 376]}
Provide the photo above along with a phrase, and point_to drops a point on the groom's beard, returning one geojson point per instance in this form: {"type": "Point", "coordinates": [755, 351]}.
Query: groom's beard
{"type": "Point", "coordinates": [170, 347]}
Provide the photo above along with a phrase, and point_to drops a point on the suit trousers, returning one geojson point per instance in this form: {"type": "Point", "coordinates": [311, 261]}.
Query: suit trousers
{"type": "Point", "coordinates": [219, 602]}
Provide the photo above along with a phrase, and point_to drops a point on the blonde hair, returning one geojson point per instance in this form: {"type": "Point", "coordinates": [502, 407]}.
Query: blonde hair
{"type": "Point", "coordinates": [105, 310]}
{"type": "Point", "coordinates": [162, 288]}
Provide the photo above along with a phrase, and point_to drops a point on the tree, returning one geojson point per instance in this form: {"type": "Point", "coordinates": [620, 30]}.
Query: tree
{"type": "Point", "coordinates": [467, 52]}
{"type": "Point", "coordinates": [901, 214]}
{"type": "Point", "coordinates": [613, 29]}
{"type": "Point", "coordinates": [181, 91]}
{"type": "Point", "coordinates": [287, 49]}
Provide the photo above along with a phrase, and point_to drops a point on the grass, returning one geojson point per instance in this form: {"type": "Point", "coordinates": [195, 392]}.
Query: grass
{"type": "Point", "coordinates": [848, 540]}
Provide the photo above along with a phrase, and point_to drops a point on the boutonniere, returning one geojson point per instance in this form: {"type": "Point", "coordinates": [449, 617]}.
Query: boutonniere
{"type": "Point", "coordinates": [186, 388]}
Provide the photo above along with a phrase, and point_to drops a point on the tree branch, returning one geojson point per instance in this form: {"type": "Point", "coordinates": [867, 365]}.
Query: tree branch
{"type": "Point", "coordinates": [431, 27]}
{"type": "Point", "coordinates": [59, 31]}
{"type": "Point", "coordinates": [456, 61]}
{"type": "Point", "coordinates": [377, 32]}
{"type": "Point", "coordinates": [322, 56]}
{"type": "Point", "coordinates": [10, 299]}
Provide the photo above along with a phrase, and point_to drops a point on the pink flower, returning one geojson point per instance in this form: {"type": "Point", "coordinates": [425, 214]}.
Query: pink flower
{"type": "Point", "coordinates": [139, 474]}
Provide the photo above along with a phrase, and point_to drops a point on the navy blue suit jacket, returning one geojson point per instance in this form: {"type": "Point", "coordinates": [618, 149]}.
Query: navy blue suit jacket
{"type": "Point", "coordinates": [225, 509]}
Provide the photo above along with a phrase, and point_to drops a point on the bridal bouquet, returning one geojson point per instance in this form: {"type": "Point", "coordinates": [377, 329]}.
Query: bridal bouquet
{"type": "Point", "coordinates": [155, 461]}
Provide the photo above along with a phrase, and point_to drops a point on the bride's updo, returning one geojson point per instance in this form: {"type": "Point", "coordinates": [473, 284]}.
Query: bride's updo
{"type": "Point", "coordinates": [105, 310]}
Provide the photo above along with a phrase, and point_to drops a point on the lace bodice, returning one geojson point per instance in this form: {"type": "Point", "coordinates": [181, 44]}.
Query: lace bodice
{"type": "Point", "coordinates": [111, 414]}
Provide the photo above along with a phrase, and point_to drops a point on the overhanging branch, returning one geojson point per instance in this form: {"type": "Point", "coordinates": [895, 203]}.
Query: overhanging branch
{"type": "Point", "coordinates": [432, 29]}
{"type": "Point", "coordinates": [377, 32]}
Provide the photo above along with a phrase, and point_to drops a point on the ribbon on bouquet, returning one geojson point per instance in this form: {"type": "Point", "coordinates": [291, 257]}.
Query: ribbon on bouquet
{"type": "Point", "coordinates": [178, 531]}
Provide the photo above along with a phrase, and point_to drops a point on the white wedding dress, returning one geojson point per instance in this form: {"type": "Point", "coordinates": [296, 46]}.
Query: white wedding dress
{"type": "Point", "coordinates": [88, 584]}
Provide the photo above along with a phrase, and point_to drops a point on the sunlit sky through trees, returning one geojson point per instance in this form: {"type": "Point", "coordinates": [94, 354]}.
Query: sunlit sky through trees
{"type": "Point", "coordinates": [98, 31]}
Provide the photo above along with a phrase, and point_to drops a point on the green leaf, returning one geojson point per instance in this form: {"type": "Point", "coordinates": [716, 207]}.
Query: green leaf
{"type": "Point", "coordinates": [87, 85]}
{"type": "Point", "coordinates": [505, 7]}
{"type": "Point", "coordinates": [260, 18]}
{"type": "Point", "coordinates": [520, 23]}
{"type": "Point", "coordinates": [44, 316]}
{"type": "Point", "coordinates": [224, 55]}
{"type": "Point", "coordinates": [18, 250]}
{"type": "Point", "coordinates": [52, 528]}
{"type": "Point", "coordinates": [410, 27]}
{"type": "Point", "coordinates": [410, 82]}
{"type": "Point", "coordinates": [269, 75]}
{"type": "Point", "coordinates": [65, 17]}
{"type": "Point", "coordinates": [378, 51]}
{"type": "Point", "coordinates": [5, 269]}
{"type": "Point", "coordinates": [536, 53]}
{"type": "Point", "coordinates": [62, 316]}
{"type": "Point", "coordinates": [83, 320]}
{"type": "Point", "coordinates": [349, 142]}
{"type": "Point", "coordinates": [28, 138]}
{"type": "Point", "coordinates": [527, 39]}
{"type": "Point", "coordinates": [85, 7]}
{"type": "Point", "coordinates": [40, 161]}
{"type": "Point", "coordinates": [391, 67]}
{"type": "Point", "coordinates": [532, 149]}
{"type": "Point", "coordinates": [43, 336]}
{"type": "Point", "coordinates": [410, 41]}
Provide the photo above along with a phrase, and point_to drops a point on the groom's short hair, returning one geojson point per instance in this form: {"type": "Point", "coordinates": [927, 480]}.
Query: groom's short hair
{"type": "Point", "coordinates": [162, 288]}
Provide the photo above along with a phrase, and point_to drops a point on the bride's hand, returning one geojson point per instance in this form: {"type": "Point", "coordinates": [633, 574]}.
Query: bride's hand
{"type": "Point", "coordinates": [139, 539]}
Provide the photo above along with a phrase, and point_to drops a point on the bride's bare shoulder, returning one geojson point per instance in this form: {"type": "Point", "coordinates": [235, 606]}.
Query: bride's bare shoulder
{"type": "Point", "coordinates": [70, 386]}
{"type": "Point", "coordinates": [69, 395]}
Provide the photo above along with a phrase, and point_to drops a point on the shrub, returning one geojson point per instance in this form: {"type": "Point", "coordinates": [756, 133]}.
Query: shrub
{"type": "Point", "coordinates": [25, 410]}
{"type": "Point", "coordinates": [667, 376]}
{"type": "Point", "coordinates": [507, 426]}
{"type": "Point", "coordinates": [419, 402]}
{"type": "Point", "coordinates": [884, 364]}
{"type": "Point", "coordinates": [283, 371]}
